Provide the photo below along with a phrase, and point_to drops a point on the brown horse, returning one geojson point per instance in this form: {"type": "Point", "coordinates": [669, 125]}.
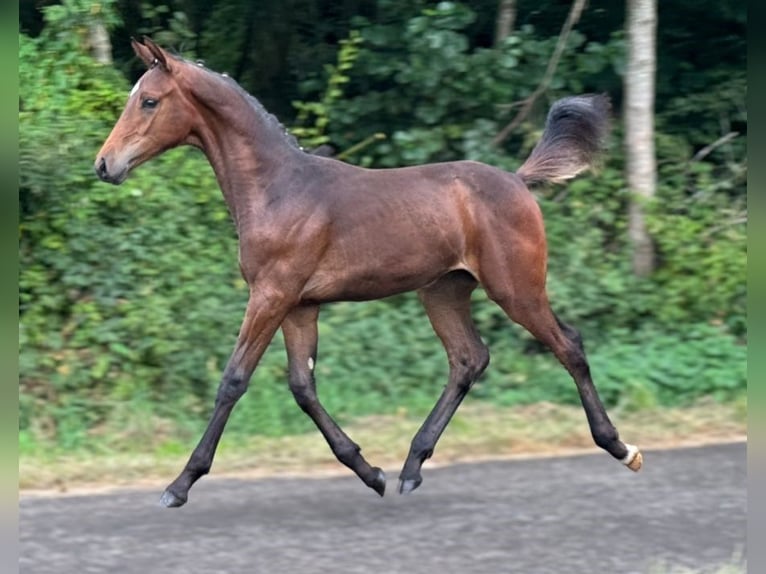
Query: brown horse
{"type": "Point", "coordinates": [314, 230]}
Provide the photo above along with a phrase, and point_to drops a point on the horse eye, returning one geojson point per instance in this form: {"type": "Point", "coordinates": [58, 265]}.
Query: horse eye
{"type": "Point", "coordinates": [149, 103]}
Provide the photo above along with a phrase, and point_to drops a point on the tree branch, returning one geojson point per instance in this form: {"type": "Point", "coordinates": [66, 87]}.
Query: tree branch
{"type": "Point", "coordinates": [705, 151]}
{"type": "Point", "coordinates": [572, 18]}
{"type": "Point", "coordinates": [739, 219]}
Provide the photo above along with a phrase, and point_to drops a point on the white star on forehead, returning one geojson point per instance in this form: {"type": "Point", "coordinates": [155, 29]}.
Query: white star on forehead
{"type": "Point", "coordinates": [135, 88]}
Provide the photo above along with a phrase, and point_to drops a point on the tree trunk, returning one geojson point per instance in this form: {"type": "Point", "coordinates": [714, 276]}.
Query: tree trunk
{"type": "Point", "coordinates": [639, 82]}
{"type": "Point", "coordinates": [506, 17]}
{"type": "Point", "coordinates": [100, 45]}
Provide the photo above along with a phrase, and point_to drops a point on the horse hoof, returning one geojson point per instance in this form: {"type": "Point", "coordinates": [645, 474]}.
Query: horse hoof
{"type": "Point", "coordinates": [170, 500]}
{"type": "Point", "coordinates": [634, 459]}
{"type": "Point", "coordinates": [407, 486]}
{"type": "Point", "coordinates": [379, 482]}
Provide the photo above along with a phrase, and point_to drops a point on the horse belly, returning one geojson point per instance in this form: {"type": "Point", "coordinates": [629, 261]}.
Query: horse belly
{"type": "Point", "coordinates": [372, 269]}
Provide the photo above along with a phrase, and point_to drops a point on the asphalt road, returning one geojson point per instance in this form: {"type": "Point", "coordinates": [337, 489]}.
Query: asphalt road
{"type": "Point", "coordinates": [582, 514]}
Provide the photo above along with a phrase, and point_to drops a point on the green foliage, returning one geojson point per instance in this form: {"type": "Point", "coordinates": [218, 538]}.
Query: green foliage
{"type": "Point", "coordinates": [165, 24]}
{"type": "Point", "coordinates": [375, 357]}
{"type": "Point", "coordinates": [107, 273]}
{"type": "Point", "coordinates": [130, 297]}
{"type": "Point", "coordinates": [316, 113]}
{"type": "Point", "coordinates": [638, 369]}
{"type": "Point", "coordinates": [698, 223]}
{"type": "Point", "coordinates": [67, 23]}
{"type": "Point", "coordinates": [438, 98]}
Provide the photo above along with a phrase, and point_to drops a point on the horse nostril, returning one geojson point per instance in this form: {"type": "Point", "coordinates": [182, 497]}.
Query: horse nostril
{"type": "Point", "coordinates": [101, 168]}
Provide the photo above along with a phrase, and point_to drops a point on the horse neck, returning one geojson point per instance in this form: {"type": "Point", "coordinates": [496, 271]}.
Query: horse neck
{"type": "Point", "coordinates": [246, 147]}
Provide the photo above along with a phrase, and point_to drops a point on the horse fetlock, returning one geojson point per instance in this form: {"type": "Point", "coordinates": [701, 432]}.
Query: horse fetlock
{"type": "Point", "coordinates": [422, 449]}
{"type": "Point", "coordinates": [606, 436]}
{"type": "Point", "coordinates": [346, 452]}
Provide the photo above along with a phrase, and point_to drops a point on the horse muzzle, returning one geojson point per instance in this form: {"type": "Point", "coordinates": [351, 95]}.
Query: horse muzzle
{"type": "Point", "coordinates": [107, 173]}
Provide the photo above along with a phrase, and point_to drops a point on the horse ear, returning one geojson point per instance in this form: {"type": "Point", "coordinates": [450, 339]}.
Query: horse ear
{"type": "Point", "coordinates": [158, 54]}
{"type": "Point", "coordinates": [142, 52]}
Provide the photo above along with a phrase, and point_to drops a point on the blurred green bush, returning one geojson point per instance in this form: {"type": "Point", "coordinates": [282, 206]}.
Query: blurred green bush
{"type": "Point", "coordinates": [130, 297]}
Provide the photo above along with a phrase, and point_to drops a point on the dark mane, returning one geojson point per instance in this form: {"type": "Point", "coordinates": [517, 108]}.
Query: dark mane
{"type": "Point", "coordinates": [262, 112]}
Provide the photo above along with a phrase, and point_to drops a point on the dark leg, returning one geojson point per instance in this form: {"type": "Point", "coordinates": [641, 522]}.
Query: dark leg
{"type": "Point", "coordinates": [448, 305]}
{"type": "Point", "coordinates": [300, 331]}
{"type": "Point", "coordinates": [565, 342]}
{"type": "Point", "coordinates": [262, 319]}
{"type": "Point", "coordinates": [513, 272]}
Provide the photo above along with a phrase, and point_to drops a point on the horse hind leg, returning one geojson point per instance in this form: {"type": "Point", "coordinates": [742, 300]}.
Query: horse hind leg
{"type": "Point", "coordinates": [448, 306]}
{"type": "Point", "coordinates": [604, 433]}
{"type": "Point", "coordinates": [534, 314]}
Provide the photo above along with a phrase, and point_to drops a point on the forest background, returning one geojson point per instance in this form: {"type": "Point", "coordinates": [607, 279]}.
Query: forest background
{"type": "Point", "coordinates": [130, 297]}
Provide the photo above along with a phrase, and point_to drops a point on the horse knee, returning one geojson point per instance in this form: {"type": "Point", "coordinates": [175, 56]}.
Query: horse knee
{"type": "Point", "coordinates": [232, 387]}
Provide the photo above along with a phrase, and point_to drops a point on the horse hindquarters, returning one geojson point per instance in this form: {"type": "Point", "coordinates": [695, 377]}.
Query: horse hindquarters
{"type": "Point", "coordinates": [513, 272]}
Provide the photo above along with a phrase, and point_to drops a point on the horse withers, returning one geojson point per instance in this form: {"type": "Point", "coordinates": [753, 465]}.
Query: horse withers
{"type": "Point", "coordinates": [314, 230]}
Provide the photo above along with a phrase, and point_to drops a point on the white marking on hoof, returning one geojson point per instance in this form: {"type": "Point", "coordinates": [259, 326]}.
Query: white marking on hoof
{"type": "Point", "coordinates": [633, 459]}
{"type": "Point", "coordinates": [135, 88]}
{"type": "Point", "coordinates": [311, 363]}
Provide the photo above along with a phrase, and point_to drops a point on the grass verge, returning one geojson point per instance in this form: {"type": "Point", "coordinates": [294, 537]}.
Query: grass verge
{"type": "Point", "coordinates": [737, 565]}
{"type": "Point", "coordinates": [478, 431]}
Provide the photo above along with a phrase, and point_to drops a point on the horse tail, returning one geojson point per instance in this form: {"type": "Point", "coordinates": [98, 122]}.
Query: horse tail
{"type": "Point", "coordinates": [574, 135]}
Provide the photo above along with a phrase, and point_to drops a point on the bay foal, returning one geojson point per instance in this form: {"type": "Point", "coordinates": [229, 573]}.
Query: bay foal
{"type": "Point", "coordinates": [314, 230]}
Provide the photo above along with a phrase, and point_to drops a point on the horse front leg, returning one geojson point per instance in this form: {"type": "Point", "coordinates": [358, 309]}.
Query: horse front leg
{"type": "Point", "coordinates": [265, 311]}
{"type": "Point", "coordinates": [300, 331]}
